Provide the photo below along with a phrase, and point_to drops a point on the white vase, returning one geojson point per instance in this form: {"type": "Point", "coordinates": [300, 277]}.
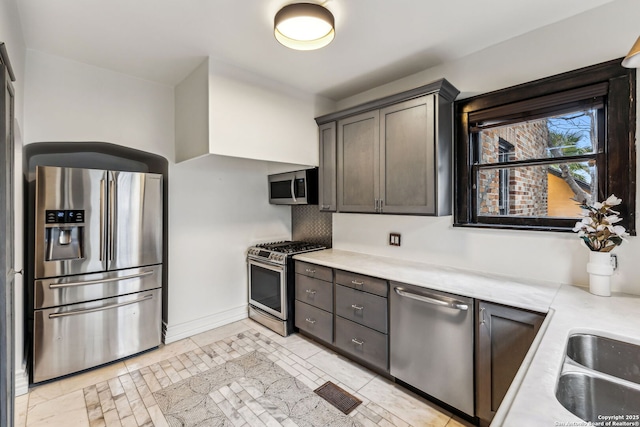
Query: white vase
{"type": "Point", "coordinates": [600, 270]}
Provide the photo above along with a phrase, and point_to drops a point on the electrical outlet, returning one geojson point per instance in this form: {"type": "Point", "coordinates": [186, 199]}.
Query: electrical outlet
{"type": "Point", "coordinates": [394, 239]}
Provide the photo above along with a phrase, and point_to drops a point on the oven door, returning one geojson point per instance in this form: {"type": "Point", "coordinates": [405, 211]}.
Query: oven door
{"type": "Point", "coordinates": [267, 287]}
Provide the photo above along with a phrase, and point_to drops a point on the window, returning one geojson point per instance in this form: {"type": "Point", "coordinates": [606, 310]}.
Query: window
{"type": "Point", "coordinates": [527, 156]}
{"type": "Point", "coordinates": [505, 151]}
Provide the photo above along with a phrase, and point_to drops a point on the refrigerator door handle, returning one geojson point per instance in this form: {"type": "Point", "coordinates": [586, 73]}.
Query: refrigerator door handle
{"type": "Point", "coordinates": [102, 231]}
{"type": "Point", "coordinates": [93, 282]}
{"type": "Point", "coordinates": [93, 310]}
{"type": "Point", "coordinates": [112, 216]}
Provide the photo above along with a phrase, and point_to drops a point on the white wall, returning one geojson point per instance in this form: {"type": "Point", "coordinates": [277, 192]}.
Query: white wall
{"type": "Point", "coordinates": [214, 202]}
{"type": "Point", "coordinates": [219, 207]}
{"type": "Point", "coordinates": [192, 114]}
{"type": "Point", "coordinates": [596, 36]}
{"type": "Point", "coordinates": [257, 118]}
{"type": "Point", "coordinates": [11, 35]}
{"type": "Point", "coordinates": [70, 101]}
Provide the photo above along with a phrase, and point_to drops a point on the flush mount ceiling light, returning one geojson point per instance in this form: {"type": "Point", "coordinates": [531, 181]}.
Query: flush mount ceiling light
{"type": "Point", "coordinates": [304, 26]}
{"type": "Point", "coordinates": [632, 60]}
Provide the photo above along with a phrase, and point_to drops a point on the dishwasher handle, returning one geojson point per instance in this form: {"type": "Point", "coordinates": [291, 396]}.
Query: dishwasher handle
{"type": "Point", "coordinates": [432, 299]}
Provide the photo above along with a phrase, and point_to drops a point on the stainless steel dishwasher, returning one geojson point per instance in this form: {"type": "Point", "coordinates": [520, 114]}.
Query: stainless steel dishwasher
{"type": "Point", "coordinates": [431, 343]}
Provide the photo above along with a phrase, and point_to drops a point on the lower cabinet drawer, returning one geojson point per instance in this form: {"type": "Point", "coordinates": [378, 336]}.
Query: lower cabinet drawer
{"type": "Point", "coordinates": [362, 307]}
{"type": "Point", "coordinates": [314, 321]}
{"type": "Point", "coordinates": [360, 282]}
{"type": "Point", "coordinates": [315, 292]}
{"type": "Point", "coordinates": [362, 342]}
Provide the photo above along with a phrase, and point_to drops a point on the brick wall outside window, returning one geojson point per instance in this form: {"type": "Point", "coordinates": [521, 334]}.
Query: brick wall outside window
{"type": "Point", "coordinates": [527, 185]}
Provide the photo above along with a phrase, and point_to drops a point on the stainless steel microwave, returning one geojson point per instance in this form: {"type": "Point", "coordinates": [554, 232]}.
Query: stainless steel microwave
{"type": "Point", "coordinates": [294, 188]}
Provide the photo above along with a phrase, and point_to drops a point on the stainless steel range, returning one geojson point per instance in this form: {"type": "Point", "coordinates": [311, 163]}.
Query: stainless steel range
{"type": "Point", "coordinates": [271, 283]}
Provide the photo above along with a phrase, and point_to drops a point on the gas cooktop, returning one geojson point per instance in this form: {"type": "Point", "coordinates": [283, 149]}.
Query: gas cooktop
{"type": "Point", "coordinates": [289, 247]}
{"type": "Point", "coordinates": [280, 251]}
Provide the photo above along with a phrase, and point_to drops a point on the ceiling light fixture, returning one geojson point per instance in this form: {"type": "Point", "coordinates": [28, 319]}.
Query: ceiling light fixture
{"type": "Point", "coordinates": [304, 26]}
{"type": "Point", "coordinates": [632, 60]}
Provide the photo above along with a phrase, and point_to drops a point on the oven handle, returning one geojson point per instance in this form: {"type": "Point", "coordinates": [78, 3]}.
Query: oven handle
{"type": "Point", "coordinates": [93, 282]}
{"type": "Point", "coordinates": [266, 264]}
{"type": "Point", "coordinates": [93, 310]}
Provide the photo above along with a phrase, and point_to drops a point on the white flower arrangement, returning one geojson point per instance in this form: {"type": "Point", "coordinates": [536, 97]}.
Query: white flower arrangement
{"type": "Point", "coordinates": [597, 229]}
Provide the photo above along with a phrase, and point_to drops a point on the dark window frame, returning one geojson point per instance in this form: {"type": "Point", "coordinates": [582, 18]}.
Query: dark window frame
{"type": "Point", "coordinates": [617, 159]}
{"type": "Point", "coordinates": [505, 151]}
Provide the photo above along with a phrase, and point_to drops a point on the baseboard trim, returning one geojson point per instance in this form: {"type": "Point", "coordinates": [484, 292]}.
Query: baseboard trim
{"type": "Point", "coordinates": [22, 382]}
{"type": "Point", "coordinates": [173, 333]}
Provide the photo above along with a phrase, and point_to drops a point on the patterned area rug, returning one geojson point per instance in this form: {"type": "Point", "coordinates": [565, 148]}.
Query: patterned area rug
{"type": "Point", "coordinates": [251, 387]}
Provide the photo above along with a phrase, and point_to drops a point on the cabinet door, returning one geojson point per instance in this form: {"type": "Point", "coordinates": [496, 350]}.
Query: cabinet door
{"type": "Point", "coordinates": [327, 171]}
{"type": "Point", "coordinates": [504, 335]}
{"type": "Point", "coordinates": [407, 158]}
{"type": "Point", "coordinates": [358, 162]}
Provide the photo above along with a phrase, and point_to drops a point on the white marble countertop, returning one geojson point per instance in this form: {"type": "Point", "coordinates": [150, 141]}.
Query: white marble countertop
{"type": "Point", "coordinates": [531, 399]}
{"type": "Point", "coordinates": [521, 293]}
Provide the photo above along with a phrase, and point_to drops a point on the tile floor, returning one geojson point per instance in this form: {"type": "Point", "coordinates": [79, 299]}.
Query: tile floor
{"type": "Point", "coordinates": [120, 394]}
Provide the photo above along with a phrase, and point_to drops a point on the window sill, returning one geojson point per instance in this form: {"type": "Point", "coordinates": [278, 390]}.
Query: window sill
{"type": "Point", "coordinates": [514, 227]}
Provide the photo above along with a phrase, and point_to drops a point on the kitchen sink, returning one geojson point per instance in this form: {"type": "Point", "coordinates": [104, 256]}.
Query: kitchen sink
{"type": "Point", "coordinates": [611, 357]}
{"type": "Point", "coordinates": [593, 398]}
{"type": "Point", "coordinates": [600, 377]}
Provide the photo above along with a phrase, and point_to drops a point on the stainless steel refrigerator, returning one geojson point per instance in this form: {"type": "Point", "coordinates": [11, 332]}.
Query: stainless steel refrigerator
{"type": "Point", "coordinates": [97, 268]}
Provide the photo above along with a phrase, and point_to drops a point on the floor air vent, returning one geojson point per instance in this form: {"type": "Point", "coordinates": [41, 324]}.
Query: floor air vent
{"type": "Point", "coordinates": [339, 398]}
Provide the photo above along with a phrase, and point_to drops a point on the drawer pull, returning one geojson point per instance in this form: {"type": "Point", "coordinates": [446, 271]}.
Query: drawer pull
{"type": "Point", "coordinates": [312, 321]}
{"type": "Point", "coordinates": [93, 310]}
{"type": "Point", "coordinates": [357, 341]}
{"type": "Point", "coordinates": [310, 291]}
{"type": "Point", "coordinates": [357, 307]}
{"type": "Point", "coordinates": [357, 282]}
{"type": "Point", "coordinates": [310, 271]}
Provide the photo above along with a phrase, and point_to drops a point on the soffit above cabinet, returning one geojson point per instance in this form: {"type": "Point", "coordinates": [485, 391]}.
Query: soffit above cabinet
{"type": "Point", "coordinates": [222, 110]}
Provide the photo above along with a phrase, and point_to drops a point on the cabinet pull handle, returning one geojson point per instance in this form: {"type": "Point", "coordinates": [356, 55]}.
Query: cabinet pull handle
{"type": "Point", "coordinates": [357, 282]}
{"type": "Point", "coordinates": [310, 271]}
{"type": "Point", "coordinates": [357, 307]}
{"type": "Point", "coordinates": [312, 321]}
{"type": "Point", "coordinates": [357, 341]}
{"type": "Point", "coordinates": [482, 321]}
{"type": "Point", "coordinates": [381, 204]}
{"type": "Point", "coordinates": [310, 291]}
{"type": "Point", "coordinates": [326, 206]}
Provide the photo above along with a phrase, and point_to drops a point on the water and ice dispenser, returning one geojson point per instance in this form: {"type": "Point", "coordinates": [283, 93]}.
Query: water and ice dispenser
{"type": "Point", "coordinates": [64, 231]}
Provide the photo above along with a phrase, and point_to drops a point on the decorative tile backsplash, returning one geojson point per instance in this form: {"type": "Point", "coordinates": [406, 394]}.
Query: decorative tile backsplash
{"type": "Point", "coordinates": [311, 225]}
